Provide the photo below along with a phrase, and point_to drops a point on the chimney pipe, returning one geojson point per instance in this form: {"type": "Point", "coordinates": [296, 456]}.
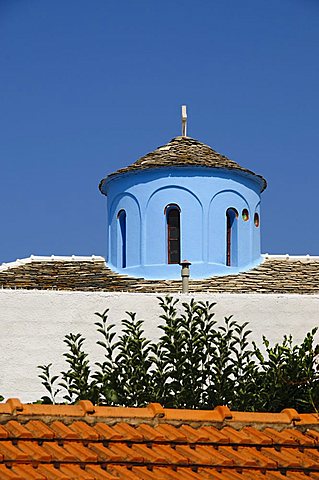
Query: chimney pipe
{"type": "Point", "coordinates": [185, 275]}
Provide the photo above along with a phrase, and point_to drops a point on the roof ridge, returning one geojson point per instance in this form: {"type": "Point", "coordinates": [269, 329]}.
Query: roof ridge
{"type": "Point", "coordinates": [121, 443]}
{"type": "Point", "coordinates": [291, 258]}
{"type": "Point", "coordinates": [218, 415]}
{"type": "Point", "coordinates": [52, 258]}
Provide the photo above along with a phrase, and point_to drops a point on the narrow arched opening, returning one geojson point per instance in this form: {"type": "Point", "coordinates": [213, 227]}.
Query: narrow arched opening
{"type": "Point", "coordinates": [172, 213]}
{"type": "Point", "coordinates": [231, 237]}
{"type": "Point", "coordinates": [122, 237]}
{"type": "Point", "coordinates": [256, 219]}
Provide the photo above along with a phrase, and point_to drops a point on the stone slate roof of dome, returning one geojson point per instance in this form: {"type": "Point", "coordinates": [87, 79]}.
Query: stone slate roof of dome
{"type": "Point", "coordinates": [88, 442]}
{"type": "Point", "coordinates": [184, 152]}
{"type": "Point", "coordinates": [274, 275]}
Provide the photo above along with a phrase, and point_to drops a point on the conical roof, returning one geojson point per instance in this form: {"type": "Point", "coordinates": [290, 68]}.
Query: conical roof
{"type": "Point", "coordinates": [185, 152]}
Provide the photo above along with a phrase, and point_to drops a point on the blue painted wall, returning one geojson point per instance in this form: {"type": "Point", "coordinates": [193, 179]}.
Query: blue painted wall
{"type": "Point", "coordinates": [203, 196]}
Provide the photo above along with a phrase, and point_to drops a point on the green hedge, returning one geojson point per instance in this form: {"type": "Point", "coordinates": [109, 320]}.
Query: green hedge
{"type": "Point", "coordinates": [197, 363]}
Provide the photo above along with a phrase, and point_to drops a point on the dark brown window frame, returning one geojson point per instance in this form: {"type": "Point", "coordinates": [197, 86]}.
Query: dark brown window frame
{"type": "Point", "coordinates": [169, 209]}
{"type": "Point", "coordinates": [229, 226]}
{"type": "Point", "coordinates": [121, 217]}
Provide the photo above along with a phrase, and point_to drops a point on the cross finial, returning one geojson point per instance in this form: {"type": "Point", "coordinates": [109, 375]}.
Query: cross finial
{"type": "Point", "coordinates": [184, 121]}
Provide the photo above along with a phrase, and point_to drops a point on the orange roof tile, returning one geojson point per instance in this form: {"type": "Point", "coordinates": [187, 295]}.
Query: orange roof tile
{"type": "Point", "coordinates": [86, 442]}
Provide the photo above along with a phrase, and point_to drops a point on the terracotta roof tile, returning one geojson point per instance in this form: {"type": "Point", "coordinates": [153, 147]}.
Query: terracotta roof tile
{"type": "Point", "coordinates": [216, 456]}
{"type": "Point", "coordinates": [149, 433]}
{"type": "Point", "coordinates": [215, 435]}
{"type": "Point", "coordinates": [8, 474]}
{"type": "Point", "coordinates": [107, 433]}
{"type": "Point", "coordinates": [295, 476]}
{"type": "Point", "coordinates": [35, 452]}
{"type": "Point", "coordinates": [314, 434]}
{"type": "Point", "coordinates": [15, 429]}
{"type": "Point", "coordinates": [194, 435]}
{"type": "Point", "coordinates": [74, 471]}
{"type": "Point", "coordinates": [58, 453]}
{"type": "Point", "coordinates": [39, 429]}
{"type": "Point", "coordinates": [170, 454]}
{"type": "Point", "coordinates": [8, 451]}
{"type": "Point", "coordinates": [122, 472]}
{"type": "Point", "coordinates": [257, 436]}
{"type": "Point", "coordinates": [62, 442]}
{"type": "Point", "coordinates": [171, 433]}
{"type": "Point", "coordinates": [99, 473]}
{"type": "Point", "coordinates": [126, 453]}
{"type": "Point", "coordinates": [313, 454]}
{"type": "Point", "coordinates": [150, 455]}
{"type": "Point", "coordinates": [51, 473]}
{"type": "Point", "coordinates": [283, 458]}
{"type": "Point", "coordinates": [235, 436]}
{"type": "Point", "coordinates": [3, 432]}
{"type": "Point", "coordinates": [280, 437]}
{"type": "Point", "coordinates": [81, 452]}
{"type": "Point", "coordinates": [62, 431]}
{"type": "Point", "coordinates": [83, 430]}
{"type": "Point", "coordinates": [237, 457]}
{"type": "Point", "coordinates": [27, 472]}
{"type": "Point", "coordinates": [104, 453]}
{"type": "Point", "coordinates": [301, 438]}
{"type": "Point", "coordinates": [272, 276]}
{"type": "Point", "coordinates": [128, 432]}
{"type": "Point", "coordinates": [261, 460]}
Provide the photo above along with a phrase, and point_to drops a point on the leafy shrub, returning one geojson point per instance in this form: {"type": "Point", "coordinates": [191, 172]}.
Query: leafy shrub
{"type": "Point", "coordinates": [196, 363]}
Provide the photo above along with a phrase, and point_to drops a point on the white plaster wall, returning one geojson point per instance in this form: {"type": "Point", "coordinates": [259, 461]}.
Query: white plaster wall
{"type": "Point", "coordinates": [34, 323]}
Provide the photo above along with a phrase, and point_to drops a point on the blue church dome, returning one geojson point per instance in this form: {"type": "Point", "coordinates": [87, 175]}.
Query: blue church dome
{"type": "Point", "coordinates": [183, 200]}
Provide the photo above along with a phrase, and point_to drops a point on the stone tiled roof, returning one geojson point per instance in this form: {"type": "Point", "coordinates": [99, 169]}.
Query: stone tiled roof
{"type": "Point", "coordinates": [274, 275]}
{"type": "Point", "coordinates": [87, 442]}
{"type": "Point", "coordinates": [185, 151]}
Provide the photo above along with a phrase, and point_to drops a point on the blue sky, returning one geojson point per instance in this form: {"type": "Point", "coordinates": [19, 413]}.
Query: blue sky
{"type": "Point", "coordinates": [87, 87]}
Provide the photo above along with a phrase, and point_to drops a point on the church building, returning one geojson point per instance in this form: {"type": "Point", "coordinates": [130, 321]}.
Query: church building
{"type": "Point", "coordinates": [184, 200]}
{"type": "Point", "coordinates": [183, 203]}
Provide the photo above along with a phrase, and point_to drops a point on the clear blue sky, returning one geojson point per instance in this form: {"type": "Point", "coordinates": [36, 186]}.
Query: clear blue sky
{"type": "Point", "coordinates": [86, 87]}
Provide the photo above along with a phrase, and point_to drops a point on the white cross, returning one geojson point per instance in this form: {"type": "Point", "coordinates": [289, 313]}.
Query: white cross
{"type": "Point", "coordinates": [184, 121]}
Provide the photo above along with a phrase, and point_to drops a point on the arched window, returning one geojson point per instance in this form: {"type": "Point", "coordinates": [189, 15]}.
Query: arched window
{"type": "Point", "coordinates": [231, 237]}
{"type": "Point", "coordinates": [245, 215]}
{"type": "Point", "coordinates": [172, 213]}
{"type": "Point", "coordinates": [122, 238]}
{"type": "Point", "coordinates": [256, 220]}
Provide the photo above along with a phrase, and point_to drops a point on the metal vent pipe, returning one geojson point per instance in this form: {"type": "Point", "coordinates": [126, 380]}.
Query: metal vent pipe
{"type": "Point", "coordinates": [185, 264]}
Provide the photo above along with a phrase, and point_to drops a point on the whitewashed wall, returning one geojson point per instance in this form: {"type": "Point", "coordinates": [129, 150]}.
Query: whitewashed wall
{"type": "Point", "coordinates": [34, 323]}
